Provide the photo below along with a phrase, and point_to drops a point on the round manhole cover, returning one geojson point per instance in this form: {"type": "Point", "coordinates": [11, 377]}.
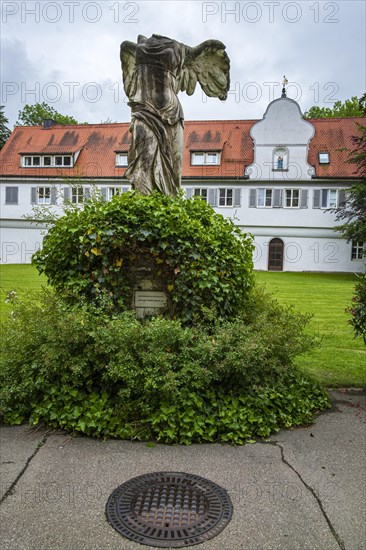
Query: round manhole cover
{"type": "Point", "coordinates": [169, 509]}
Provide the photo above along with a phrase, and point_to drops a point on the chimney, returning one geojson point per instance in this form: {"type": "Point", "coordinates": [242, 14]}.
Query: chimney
{"type": "Point", "coordinates": [48, 122]}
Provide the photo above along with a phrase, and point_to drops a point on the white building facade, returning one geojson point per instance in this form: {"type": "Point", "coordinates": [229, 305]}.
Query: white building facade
{"type": "Point", "coordinates": [258, 173]}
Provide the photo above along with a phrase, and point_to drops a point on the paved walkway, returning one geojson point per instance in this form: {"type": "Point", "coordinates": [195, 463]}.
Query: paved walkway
{"type": "Point", "coordinates": [303, 489]}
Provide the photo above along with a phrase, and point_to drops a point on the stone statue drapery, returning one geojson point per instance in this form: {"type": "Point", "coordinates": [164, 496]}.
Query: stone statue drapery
{"type": "Point", "coordinates": [154, 71]}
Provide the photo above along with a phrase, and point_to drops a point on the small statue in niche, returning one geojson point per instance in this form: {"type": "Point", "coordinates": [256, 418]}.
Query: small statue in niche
{"type": "Point", "coordinates": [280, 163]}
{"type": "Point", "coordinates": [154, 71]}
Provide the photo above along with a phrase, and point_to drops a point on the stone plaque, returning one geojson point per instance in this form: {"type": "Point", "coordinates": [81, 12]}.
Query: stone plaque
{"type": "Point", "coordinates": [149, 302]}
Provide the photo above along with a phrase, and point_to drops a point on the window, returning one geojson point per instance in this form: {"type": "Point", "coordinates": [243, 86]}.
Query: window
{"type": "Point", "coordinates": [11, 195]}
{"type": "Point", "coordinates": [216, 197]}
{"type": "Point", "coordinates": [225, 197]}
{"type": "Point", "coordinates": [200, 193]}
{"type": "Point", "coordinates": [47, 161]}
{"type": "Point", "coordinates": [112, 191]}
{"type": "Point", "coordinates": [329, 198]}
{"type": "Point", "coordinates": [205, 158]}
{"type": "Point", "coordinates": [77, 195]}
{"type": "Point", "coordinates": [228, 197]}
{"type": "Point", "coordinates": [62, 161]}
{"type": "Point", "coordinates": [108, 192]}
{"type": "Point", "coordinates": [292, 198]}
{"type": "Point", "coordinates": [264, 198]}
{"type": "Point", "coordinates": [121, 159]}
{"type": "Point", "coordinates": [323, 158]}
{"type": "Point", "coordinates": [43, 195]}
{"type": "Point", "coordinates": [358, 249]}
{"type": "Point", "coordinates": [32, 161]}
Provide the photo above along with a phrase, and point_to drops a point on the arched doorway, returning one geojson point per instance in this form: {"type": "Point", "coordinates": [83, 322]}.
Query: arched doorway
{"type": "Point", "coordinates": [275, 255]}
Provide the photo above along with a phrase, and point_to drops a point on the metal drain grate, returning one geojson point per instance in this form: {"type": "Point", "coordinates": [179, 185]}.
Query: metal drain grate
{"type": "Point", "coordinates": [169, 509]}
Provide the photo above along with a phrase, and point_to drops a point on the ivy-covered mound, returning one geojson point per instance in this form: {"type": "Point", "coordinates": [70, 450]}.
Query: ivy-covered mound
{"type": "Point", "coordinates": [83, 370]}
{"type": "Point", "coordinates": [203, 260]}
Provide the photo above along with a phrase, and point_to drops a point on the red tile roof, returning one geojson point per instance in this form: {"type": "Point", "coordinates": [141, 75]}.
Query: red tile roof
{"type": "Point", "coordinates": [334, 136]}
{"type": "Point", "coordinates": [98, 144]}
{"type": "Point", "coordinates": [231, 137]}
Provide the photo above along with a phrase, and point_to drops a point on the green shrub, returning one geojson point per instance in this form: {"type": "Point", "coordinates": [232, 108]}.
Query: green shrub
{"type": "Point", "coordinates": [203, 261]}
{"type": "Point", "coordinates": [238, 417]}
{"type": "Point", "coordinates": [85, 370]}
{"type": "Point", "coordinates": [358, 308]}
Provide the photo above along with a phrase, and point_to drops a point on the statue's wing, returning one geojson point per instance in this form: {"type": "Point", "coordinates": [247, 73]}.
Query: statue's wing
{"type": "Point", "coordinates": [209, 64]}
{"type": "Point", "coordinates": [128, 51]}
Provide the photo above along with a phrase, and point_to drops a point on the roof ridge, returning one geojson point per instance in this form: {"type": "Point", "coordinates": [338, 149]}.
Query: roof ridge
{"type": "Point", "coordinates": [337, 118]}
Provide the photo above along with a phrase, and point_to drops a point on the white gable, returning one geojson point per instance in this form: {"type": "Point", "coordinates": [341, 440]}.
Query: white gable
{"type": "Point", "coordinates": [281, 142]}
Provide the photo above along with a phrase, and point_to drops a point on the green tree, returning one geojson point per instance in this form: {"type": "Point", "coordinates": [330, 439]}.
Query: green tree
{"type": "Point", "coordinates": [34, 115]}
{"type": "Point", "coordinates": [351, 107]}
{"type": "Point", "coordinates": [353, 212]}
{"type": "Point", "coordinates": [4, 130]}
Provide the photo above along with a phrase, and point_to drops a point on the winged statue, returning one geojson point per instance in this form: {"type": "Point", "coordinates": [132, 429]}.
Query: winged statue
{"type": "Point", "coordinates": [154, 71]}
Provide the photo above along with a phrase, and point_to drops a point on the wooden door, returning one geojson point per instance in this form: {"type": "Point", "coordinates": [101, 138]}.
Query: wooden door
{"type": "Point", "coordinates": [275, 255]}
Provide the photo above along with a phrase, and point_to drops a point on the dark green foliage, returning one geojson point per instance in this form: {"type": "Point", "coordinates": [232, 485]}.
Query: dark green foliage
{"type": "Point", "coordinates": [4, 130]}
{"type": "Point", "coordinates": [358, 308]}
{"type": "Point", "coordinates": [353, 212]}
{"type": "Point", "coordinates": [353, 216]}
{"type": "Point", "coordinates": [353, 107]}
{"type": "Point", "coordinates": [203, 260]}
{"type": "Point", "coordinates": [87, 371]}
{"type": "Point", "coordinates": [34, 115]}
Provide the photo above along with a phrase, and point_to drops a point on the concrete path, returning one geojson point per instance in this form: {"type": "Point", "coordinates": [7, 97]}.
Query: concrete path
{"type": "Point", "coordinates": [303, 489]}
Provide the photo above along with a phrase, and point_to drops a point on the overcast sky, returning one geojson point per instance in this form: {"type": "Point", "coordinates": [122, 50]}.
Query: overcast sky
{"type": "Point", "coordinates": [66, 53]}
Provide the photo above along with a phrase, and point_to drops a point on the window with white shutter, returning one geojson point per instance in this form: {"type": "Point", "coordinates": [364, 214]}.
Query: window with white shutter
{"type": "Point", "coordinates": [201, 192]}
{"type": "Point", "coordinates": [292, 198]}
{"type": "Point", "coordinates": [226, 197]}
{"type": "Point", "coordinates": [264, 198]}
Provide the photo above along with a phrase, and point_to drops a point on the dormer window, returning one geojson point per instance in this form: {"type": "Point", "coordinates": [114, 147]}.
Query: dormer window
{"type": "Point", "coordinates": [32, 161]}
{"type": "Point", "coordinates": [46, 161]}
{"type": "Point", "coordinates": [205, 158]}
{"type": "Point", "coordinates": [121, 159]}
{"type": "Point", "coordinates": [280, 159]}
{"type": "Point", "coordinates": [63, 161]}
{"type": "Point", "coordinates": [323, 158]}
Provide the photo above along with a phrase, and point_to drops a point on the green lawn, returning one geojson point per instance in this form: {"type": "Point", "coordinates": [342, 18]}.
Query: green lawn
{"type": "Point", "coordinates": [22, 278]}
{"type": "Point", "coordinates": [341, 359]}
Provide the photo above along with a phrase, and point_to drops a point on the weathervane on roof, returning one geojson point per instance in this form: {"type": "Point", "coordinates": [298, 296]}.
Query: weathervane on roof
{"type": "Point", "coordinates": [284, 84]}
